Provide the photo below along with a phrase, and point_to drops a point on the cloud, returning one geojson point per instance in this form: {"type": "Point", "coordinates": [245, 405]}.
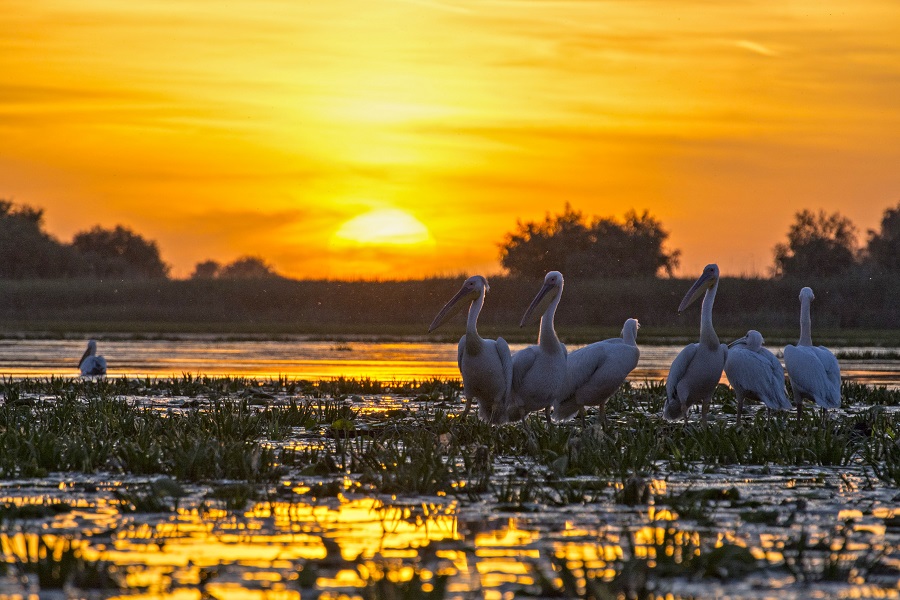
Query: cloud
{"type": "Point", "coordinates": [755, 47]}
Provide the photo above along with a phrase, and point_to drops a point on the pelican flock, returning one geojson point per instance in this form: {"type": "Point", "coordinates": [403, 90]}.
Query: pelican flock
{"type": "Point", "coordinates": [539, 371]}
{"type": "Point", "coordinates": [697, 369]}
{"type": "Point", "coordinates": [813, 370]}
{"type": "Point", "coordinates": [754, 372]}
{"type": "Point", "coordinates": [485, 365]}
{"type": "Point", "coordinates": [91, 364]}
{"type": "Point", "coordinates": [543, 376]}
{"type": "Point", "coordinates": [595, 372]}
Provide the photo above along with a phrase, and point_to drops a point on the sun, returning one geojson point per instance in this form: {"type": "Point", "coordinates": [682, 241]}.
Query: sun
{"type": "Point", "coordinates": [382, 227]}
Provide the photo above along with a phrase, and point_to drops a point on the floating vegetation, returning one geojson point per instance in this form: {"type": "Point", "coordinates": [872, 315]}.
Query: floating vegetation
{"type": "Point", "coordinates": [377, 489]}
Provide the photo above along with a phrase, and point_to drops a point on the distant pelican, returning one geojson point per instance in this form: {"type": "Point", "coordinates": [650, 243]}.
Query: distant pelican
{"type": "Point", "coordinates": [696, 370]}
{"type": "Point", "coordinates": [90, 363]}
{"type": "Point", "coordinates": [539, 371]}
{"type": "Point", "coordinates": [754, 372]}
{"type": "Point", "coordinates": [814, 371]}
{"type": "Point", "coordinates": [485, 365]}
{"type": "Point", "coordinates": [595, 372]}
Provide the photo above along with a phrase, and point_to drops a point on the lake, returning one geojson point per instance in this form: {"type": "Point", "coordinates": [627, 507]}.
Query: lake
{"type": "Point", "coordinates": [304, 359]}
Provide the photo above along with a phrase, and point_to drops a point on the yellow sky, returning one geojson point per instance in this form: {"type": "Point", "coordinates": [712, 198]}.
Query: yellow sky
{"type": "Point", "coordinates": [264, 127]}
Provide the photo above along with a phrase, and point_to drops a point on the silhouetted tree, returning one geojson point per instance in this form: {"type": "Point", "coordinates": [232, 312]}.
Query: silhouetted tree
{"type": "Point", "coordinates": [247, 267]}
{"type": "Point", "coordinates": [818, 245]}
{"type": "Point", "coordinates": [119, 252]}
{"type": "Point", "coordinates": [26, 250]}
{"type": "Point", "coordinates": [208, 269]}
{"type": "Point", "coordinates": [884, 246]}
{"type": "Point", "coordinates": [603, 248]}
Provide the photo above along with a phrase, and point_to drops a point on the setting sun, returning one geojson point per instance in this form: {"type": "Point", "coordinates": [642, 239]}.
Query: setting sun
{"type": "Point", "coordinates": [382, 227]}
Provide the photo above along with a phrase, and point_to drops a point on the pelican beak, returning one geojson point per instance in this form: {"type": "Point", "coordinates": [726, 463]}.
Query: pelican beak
{"type": "Point", "coordinates": [84, 356]}
{"type": "Point", "coordinates": [742, 340]}
{"type": "Point", "coordinates": [451, 308]}
{"type": "Point", "coordinates": [538, 300]}
{"type": "Point", "coordinates": [698, 289]}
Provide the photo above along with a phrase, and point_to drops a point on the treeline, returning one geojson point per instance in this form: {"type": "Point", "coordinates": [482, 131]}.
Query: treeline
{"type": "Point", "coordinates": [27, 251]}
{"type": "Point", "coordinates": [590, 308]}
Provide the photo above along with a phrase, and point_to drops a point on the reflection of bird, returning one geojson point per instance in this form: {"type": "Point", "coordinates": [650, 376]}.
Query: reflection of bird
{"type": "Point", "coordinates": [595, 372]}
{"type": "Point", "coordinates": [539, 371]}
{"type": "Point", "coordinates": [485, 365]}
{"type": "Point", "coordinates": [754, 372]}
{"type": "Point", "coordinates": [696, 370]}
{"type": "Point", "coordinates": [813, 370]}
{"type": "Point", "coordinates": [90, 363]}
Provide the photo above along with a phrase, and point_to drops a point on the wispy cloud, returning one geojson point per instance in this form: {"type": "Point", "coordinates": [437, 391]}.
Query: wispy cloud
{"type": "Point", "coordinates": [755, 47]}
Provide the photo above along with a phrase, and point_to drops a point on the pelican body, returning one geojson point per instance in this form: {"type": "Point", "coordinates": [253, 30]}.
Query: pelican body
{"type": "Point", "coordinates": [697, 369]}
{"type": "Point", "coordinates": [754, 372]}
{"type": "Point", "coordinates": [813, 370]}
{"type": "Point", "coordinates": [485, 365]}
{"type": "Point", "coordinates": [91, 364]}
{"type": "Point", "coordinates": [539, 371]}
{"type": "Point", "coordinates": [595, 372]}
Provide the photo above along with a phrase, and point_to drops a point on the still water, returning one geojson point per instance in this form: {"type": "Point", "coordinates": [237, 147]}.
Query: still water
{"type": "Point", "coordinates": [300, 359]}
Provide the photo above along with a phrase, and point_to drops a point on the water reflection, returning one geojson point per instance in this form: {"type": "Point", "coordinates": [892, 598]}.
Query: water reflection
{"type": "Point", "coordinates": [302, 359]}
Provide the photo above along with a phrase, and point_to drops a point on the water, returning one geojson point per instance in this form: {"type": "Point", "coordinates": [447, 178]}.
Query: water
{"type": "Point", "coordinates": [301, 359]}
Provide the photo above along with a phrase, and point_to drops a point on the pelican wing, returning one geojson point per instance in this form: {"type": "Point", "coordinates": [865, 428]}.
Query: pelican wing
{"type": "Point", "coordinates": [810, 377]}
{"type": "Point", "coordinates": [672, 409]}
{"type": "Point", "coordinates": [507, 364]}
{"type": "Point", "coordinates": [522, 362]}
{"type": "Point", "coordinates": [833, 374]}
{"type": "Point", "coordinates": [461, 349]}
{"type": "Point", "coordinates": [755, 372]}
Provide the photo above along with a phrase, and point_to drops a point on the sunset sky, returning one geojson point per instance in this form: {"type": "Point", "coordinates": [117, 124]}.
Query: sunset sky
{"type": "Point", "coordinates": [402, 138]}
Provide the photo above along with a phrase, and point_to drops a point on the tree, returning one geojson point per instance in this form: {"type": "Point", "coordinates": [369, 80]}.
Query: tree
{"type": "Point", "coordinates": [247, 267]}
{"type": "Point", "coordinates": [884, 246]}
{"type": "Point", "coordinates": [26, 250]}
{"type": "Point", "coordinates": [603, 248]}
{"type": "Point", "coordinates": [119, 252]}
{"type": "Point", "coordinates": [818, 245]}
{"type": "Point", "coordinates": [208, 269]}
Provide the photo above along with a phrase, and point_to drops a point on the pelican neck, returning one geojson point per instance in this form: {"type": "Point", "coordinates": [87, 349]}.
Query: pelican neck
{"type": "Point", "coordinates": [805, 323]}
{"type": "Point", "coordinates": [547, 338]}
{"type": "Point", "coordinates": [473, 340]}
{"type": "Point", "coordinates": [707, 332]}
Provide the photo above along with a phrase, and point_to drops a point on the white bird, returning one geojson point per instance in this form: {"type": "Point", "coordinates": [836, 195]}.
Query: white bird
{"type": "Point", "coordinates": [539, 371]}
{"type": "Point", "coordinates": [90, 363]}
{"type": "Point", "coordinates": [697, 369]}
{"type": "Point", "coordinates": [595, 372]}
{"type": "Point", "coordinates": [813, 370]}
{"type": "Point", "coordinates": [485, 365]}
{"type": "Point", "coordinates": [754, 372]}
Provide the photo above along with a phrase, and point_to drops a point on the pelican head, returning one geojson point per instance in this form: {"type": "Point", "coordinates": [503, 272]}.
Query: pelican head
{"type": "Point", "coordinates": [91, 351]}
{"type": "Point", "coordinates": [752, 341]}
{"type": "Point", "coordinates": [553, 284]}
{"type": "Point", "coordinates": [807, 293]}
{"type": "Point", "coordinates": [630, 329]}
{"type": "Point", "coordinates": [473, 287]}
{"type": "Point", "coordinates": [707, 280]}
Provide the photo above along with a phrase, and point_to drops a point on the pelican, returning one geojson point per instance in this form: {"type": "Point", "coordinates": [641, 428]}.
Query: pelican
{"type": "Point", "coordinates": [754, 372]}
{"type": "Point", "coordinates": [485, 365]}
{"type": "Point", "coordinates": [90, 363]}
{"type": "Point", "coordinates": [595, 372]}
{"type": "Point", "coordinates": [697, 369]}
{"type": "Point", "coordinates": [539, 371]}
{"type": "Point", "coordinates": [813, 370]}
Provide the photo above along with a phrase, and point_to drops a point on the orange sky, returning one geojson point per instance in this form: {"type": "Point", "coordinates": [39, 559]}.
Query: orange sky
{"type": "Point", "coordinates": [266, 127]}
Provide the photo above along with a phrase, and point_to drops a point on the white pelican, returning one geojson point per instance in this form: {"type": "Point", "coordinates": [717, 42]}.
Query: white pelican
{"type": "Point", "coordinates": [539, 371]}
{"type": "Point", "coordinates": [485, 365]}
{"type": "Point", "coordinates": [90, 363]}
{"type": "Point", "coordinates": [813, 370]}
{"type": "Point", "coordinates": [595, 372]}
{"type": "Point", "coordinates": [696, 370]}
{"type": "Point", "coordinates": [754, 372]}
